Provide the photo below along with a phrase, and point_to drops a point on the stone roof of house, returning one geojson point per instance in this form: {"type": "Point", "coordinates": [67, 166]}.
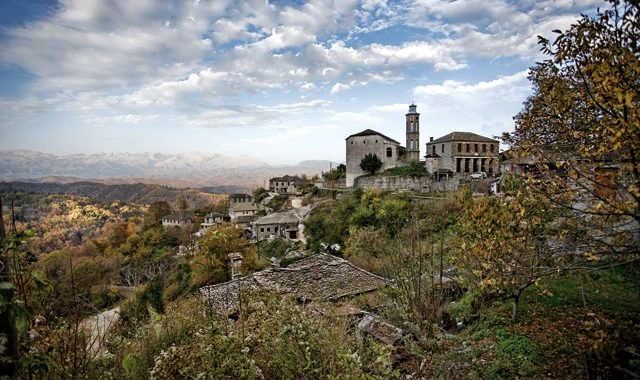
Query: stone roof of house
{"type": "Point", "coordinates": [214, 215]}
{"type": "Point", "coordinates": [246, 218]}
{"type": "Point", "coordinates": [371, 132]}
{"type": "Point", "coordinates": [463, 136]}
{"type": "Point", "coordinates": [180, 215]}
{"type": "Point", "coordinates": [245, 207]}
{"type": "Point", "coordinates": [319, 277]}
{"type": "Point", "coordinates": [240, 196]}
{"type": "Point", "coordinates": [279, 218]}
{"type": "Point", "coordinates": [288, 178]}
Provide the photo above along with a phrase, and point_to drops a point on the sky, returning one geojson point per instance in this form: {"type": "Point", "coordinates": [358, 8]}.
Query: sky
{"type": "Point", "coordinates": [281, 81]}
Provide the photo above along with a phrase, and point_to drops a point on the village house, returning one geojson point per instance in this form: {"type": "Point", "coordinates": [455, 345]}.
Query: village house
{"type": "Point", "coordinates": [179, 219]}
{"type": "Point", "coordinates": [242, 209]}
{"type": "Point", "coordinates": [461, 153]}
{"type": "Point", "coordinates": [213, 219]}
{"type": "Point", "coordinates": [287, 184]}
{"type": "Point", "coordinates": [240, 198]}
{"type": "Point", "coordinates": [284, 224]}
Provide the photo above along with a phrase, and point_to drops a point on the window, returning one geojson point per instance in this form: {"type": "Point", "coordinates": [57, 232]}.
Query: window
{"type": "Point", "coordinates": [484, 148]}
{"type": "Point", "coordinates": [351, 142]}
{"type": "Point", "coordinates": [442, 150]}
{"type": "Point", "coordinates": [411, 142]}
{"type": "Point", "coordinates": [268, 229]}
{"type": "Point", "coordinates": [376, 141]}
{"type": "Point", "coordinates": [433, 149]}
{"type": "Point", "coordinates": [468, 148]}
{"type": "Point", "coordinates": [459, 148]}
{"type": "Point", "coordinates": [411, 126]}
{"type": "Point", "coordinates": [389, 152]}
{"type": "Point", "coordinates": [476, 148]}
{"type": "Point", "coordinates": [261, 229]}
{"type": "Point", "coordinates": [276, 229]}
{"type": "Point", "coordinates": [491, 146]}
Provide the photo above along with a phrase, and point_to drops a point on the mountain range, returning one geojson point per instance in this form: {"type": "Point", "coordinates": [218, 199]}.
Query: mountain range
{"type": "Point", "coordinates": [192, 169]}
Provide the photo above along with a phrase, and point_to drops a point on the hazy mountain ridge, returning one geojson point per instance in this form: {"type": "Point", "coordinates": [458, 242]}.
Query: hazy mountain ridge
{"type": "Point", "coordinates": [191, 169]}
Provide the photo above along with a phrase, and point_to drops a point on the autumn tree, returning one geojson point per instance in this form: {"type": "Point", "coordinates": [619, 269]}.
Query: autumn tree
{"type": "Point", "coordinates": [212, 264]}
{"type": "Point", "coordinates": [156, 211]}
{"type": "Point", "coordinates": [370, 163]}
{"type": "Point", "coordinates": [580, 131]}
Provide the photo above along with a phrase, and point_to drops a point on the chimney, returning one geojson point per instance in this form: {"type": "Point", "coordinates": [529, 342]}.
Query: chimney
{"type": "Point", "coordinates": [236, 265]}
{"type": "Point", "coordinates": [430, 139]}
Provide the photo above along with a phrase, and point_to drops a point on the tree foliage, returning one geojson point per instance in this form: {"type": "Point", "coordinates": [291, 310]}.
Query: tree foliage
{"type": "Point", "coordinates": [370, 163]}
{"type": "Point", "coordinates": [580, 131]}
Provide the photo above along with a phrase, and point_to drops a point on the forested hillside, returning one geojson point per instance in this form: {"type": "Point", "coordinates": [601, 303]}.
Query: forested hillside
{"type": "Point", "coordinates": [128, 193]}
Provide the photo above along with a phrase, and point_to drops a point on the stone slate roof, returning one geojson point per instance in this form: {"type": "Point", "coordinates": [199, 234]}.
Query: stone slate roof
{"type": "Point", "coordinates": [463, 136]}
{"type": "Point", "coordinates": [180, 215]}
{"type": "Point", "coordinates": [319, 277]}
{"type": "Point", "coordinates": [371, 132]}
{"type": "Point", "coordinates": [240, 196]}
{"type": "Point", "coordinates": [214, 215]}
{"type": "Point", "coordinates": [288, 178]}
{"type": "Point", "coordinates": [245, 207]}
{"type": "Point", "coordinates": [279, 218]}
{"type": "Point", "coordinates": [246, 218]}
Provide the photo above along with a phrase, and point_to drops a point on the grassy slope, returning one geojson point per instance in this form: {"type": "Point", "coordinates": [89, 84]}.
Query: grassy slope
{"type": "Point", "coordinates": [561, 334]}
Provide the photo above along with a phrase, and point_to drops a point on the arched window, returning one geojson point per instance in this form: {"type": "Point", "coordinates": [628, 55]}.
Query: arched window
{"type": "Point", "coordinates": [411, 126]}
{"type": "Point", "coordinates": [411, 144]}
{"type": "Point", "coordinates": [389, 152]}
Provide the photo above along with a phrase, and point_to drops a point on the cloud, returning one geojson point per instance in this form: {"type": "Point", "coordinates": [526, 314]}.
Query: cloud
{"type": "Point", "coordinates": [339, 87]}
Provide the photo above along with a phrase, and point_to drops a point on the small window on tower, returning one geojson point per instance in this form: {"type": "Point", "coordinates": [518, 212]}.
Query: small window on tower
{"type": "Point", "coordinates": [442, 150]}
{"type": "Point", "coordinates": [376, 141]}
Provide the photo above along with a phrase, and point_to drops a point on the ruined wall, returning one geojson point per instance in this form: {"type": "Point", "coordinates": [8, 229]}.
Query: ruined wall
{"type": "Point", "coordinates": [417, 184]}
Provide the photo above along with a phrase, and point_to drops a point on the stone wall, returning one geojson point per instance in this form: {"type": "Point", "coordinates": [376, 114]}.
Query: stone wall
{"type": "Point", "coordinates": [418, 184]}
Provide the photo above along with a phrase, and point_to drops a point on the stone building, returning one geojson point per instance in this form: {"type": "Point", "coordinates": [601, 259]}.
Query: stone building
{"type": "Point", "coordinates": [287, 184]}
{"type": "Point", "coordinates": [390, 152]}
{"type": "Point", "coordinates": [178, 219]}
{"type": "Point", "coordinates": [463, 153]}
{"type": "Point", "coordinates": [284, 224]}
{"type": "Point", "coordinates": [369, 141]}
{"type": "Point", "coordinates": [240, 198]}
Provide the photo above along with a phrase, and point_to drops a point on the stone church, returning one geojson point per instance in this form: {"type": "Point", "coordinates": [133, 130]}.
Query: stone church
{"type": "Point", "coordinates": [455, 154]}
{"type": "Point", "coordinates": [387, 149]}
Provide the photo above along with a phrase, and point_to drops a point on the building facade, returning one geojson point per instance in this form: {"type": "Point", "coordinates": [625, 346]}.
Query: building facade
{"type": "Point", "coordinates": [369, 141]}
{"type": "Point", "coordinates": [287, 184]}
{"type": "Point", "coordinates": [464, 153]}
{"type": "Point", "coordinates": [240, 198]}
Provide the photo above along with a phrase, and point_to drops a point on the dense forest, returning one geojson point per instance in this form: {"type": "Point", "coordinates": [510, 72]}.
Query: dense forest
{"type": "Point", "coordinates": [539, 281]}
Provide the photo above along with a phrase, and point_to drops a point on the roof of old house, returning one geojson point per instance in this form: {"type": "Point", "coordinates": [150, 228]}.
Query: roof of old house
{"type": "Point", "coordinates": [180, 215]}
{"type": "Point", "coordinates": [214, 215]}
{"type": "Point", "coordinates": [240, 196]}
{"type": "Point", "coordinates": [245, 207]}
{"type": "Point", "coordinates": [463, 136]}
{"type": "Point", "coordinates": [279, 218]}
{"type": "Point", "coordinates": [246, 218]}
{"type": "Point", "coordinates": [319, 277]}
{"type": "Point", "coordinates": [288, 178]}
{"type": "Point", "coordinates": [371, 132]}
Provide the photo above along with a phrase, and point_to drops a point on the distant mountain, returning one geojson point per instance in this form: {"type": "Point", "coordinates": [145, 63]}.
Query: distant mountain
{"type": "Point", "coordinates": [192, 169]}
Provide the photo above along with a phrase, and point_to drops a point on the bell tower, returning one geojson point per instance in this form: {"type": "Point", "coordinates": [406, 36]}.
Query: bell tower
{"type": "Point", "coordinates": [413, 134]}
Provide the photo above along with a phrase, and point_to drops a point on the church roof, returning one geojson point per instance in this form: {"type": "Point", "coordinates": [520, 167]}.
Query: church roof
{"type": "Point", "coordinates": [371, 132]}
{"type": "Point", "coordinates": [463, 136]}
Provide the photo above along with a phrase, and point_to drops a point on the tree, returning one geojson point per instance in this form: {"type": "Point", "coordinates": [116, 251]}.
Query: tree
{"type": "Point", "coordinates": [370, 163]}
{"type": "Point", "coordinates": [212, 264]}
{"type": "Point", "coordinates": [156, 211]}
{"type": "Point", "coordinates": [582, 127]}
